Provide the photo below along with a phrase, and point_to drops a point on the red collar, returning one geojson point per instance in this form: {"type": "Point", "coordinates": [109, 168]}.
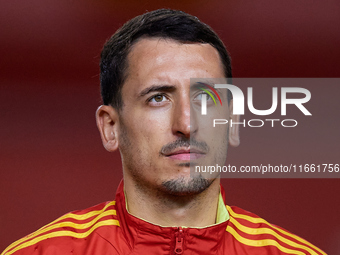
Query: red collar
{"type": "Point", "coordinates": [143, 235]}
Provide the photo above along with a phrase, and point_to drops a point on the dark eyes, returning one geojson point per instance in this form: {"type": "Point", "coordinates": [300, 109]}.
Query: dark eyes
{"type": "Point", "coordinates": [161, 98]}
{"type": "Point", "coordinates": [158, 98]}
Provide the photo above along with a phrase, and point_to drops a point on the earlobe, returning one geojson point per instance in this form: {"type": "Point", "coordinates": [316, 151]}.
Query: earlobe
{"type": "Point", "coordinates": [234, 133]}
{"type": "Point", "coordinates": [107, 123]}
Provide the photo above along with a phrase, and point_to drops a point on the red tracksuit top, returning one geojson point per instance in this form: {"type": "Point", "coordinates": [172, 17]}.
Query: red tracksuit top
{"type": "Point", "coordinates": [108, 229]}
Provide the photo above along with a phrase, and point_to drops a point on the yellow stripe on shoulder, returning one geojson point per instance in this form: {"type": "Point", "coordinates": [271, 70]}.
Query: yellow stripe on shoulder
{"type": "Point", "coordinates": [260, 220]}
{"type": "Point", "coordinates": [259, 231]}
{"type": "Point", "coordinates": [57, 224]}
{"type": "Point", "coordinates": [82, 216]}
{"type": "Point", "coordinates": [62, 233]}
{"type": "Point", "coordinates": [263, 242]}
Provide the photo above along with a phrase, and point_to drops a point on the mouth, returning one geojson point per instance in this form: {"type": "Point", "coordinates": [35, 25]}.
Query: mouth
{"type": "Point", "coordinates": [185, 154]}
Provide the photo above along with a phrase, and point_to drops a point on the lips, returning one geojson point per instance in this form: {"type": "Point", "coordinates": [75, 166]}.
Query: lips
{"type": "Point", "coordinates": [185, 154]}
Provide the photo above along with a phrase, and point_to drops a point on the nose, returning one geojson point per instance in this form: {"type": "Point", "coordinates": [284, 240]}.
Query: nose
{"type": "Point", "coordinates": [183, 123]}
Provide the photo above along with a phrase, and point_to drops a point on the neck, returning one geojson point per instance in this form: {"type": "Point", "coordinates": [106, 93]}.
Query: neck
{"type": "Point", "coordinates": [161, 208]}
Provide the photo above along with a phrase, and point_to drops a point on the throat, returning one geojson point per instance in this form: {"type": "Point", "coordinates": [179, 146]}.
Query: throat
{"type": "Point", "coordinates": [169, 210]}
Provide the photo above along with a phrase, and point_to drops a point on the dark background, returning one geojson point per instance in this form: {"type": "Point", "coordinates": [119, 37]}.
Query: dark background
{"type": "Point", "coordinates": [51, 157]}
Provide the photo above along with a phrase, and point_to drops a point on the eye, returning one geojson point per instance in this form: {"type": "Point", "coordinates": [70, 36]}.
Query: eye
{"type": "Point", "coordinates": [199, 96]}
{"type": "Point", "coordinates": [158, 98]}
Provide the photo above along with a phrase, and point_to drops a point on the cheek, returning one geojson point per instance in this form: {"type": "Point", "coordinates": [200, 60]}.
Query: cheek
{"type": "Point", "coordinates": [147, 130]}
{"type": "Point", "coordinates": [216, 137]}
{"type": "Point", "coordinates": [205, 123]}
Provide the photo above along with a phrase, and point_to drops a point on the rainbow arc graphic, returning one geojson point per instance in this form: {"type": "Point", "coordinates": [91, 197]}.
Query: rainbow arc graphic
{"type": "Point", "coordinates": [209, 93]}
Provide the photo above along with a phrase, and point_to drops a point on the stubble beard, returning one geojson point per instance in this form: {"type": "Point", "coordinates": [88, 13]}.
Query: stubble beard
{"type": "Point", "coordinates": [186, 186]}
{"type": "Point", "coordinates": [181, 186]}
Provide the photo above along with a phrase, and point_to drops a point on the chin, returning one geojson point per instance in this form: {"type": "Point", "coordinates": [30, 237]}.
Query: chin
{"type": "Point", "coordinates": [184, 186]}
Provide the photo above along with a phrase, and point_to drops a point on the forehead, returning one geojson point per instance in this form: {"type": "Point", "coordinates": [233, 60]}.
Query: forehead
{"type": "Point", "coordinates": [152, 55]}
{"type": "Point", "coordinates": [166, 45]}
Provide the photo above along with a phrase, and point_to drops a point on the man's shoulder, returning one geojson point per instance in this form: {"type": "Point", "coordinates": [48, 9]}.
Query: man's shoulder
{"type": "Point", "coordinates": [76, 228]}
{"type": "Point", "coordinates": [253, 231]}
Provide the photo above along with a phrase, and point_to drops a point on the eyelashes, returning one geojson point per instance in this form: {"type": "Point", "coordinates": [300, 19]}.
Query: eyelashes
{"type": "Point", "coordinates": [162, 97]}
{"type": "Point", "coordinates": [157, 98]}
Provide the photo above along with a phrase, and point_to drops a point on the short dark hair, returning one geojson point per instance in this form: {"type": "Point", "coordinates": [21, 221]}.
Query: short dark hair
{"type": "Point", "coordinates": [162, 23]}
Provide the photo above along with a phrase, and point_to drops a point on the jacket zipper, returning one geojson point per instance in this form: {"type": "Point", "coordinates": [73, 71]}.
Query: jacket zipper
{"type": "Point", "coordinates": [179, 241]}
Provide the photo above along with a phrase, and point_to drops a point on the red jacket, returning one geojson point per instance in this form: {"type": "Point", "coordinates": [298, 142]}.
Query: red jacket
{"type": "Point", "coordinates": [109, 229]}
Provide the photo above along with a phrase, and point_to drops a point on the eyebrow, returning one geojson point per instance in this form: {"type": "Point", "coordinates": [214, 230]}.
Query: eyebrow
{"type": "Point", "coordinates": [209, 86]}
{"type": "Point", "coordinates": [197, 85]}
{"type": "Point", "coordinates": [153, 88]}
{"type": "Point", "coordinates": [200, 85]}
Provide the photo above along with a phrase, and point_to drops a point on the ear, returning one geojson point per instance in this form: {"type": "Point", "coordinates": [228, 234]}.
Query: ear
{"type": "Point", "coordinates": [234, 131]}
{"type": "Point", "coordinates": [107, 123]}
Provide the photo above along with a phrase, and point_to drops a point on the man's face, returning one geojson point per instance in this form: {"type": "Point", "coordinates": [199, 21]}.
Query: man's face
{"type": "Point", "coordinates": [154, 123]}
